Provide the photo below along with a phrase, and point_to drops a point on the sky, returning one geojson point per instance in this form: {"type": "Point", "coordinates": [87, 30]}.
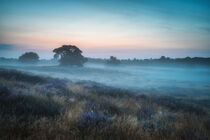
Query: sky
{"type": "Point", "coordinates": [100, 28]}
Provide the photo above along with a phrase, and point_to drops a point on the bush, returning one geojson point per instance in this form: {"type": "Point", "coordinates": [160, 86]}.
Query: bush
{"type": "Point", "coordinates": [28, 105]}
{"type": "Point", "coordinates": [145, 113]}
{"type": "Point", "coordinates": [192, 135]}
{"type": "Point", "coordinates": [4, 91]}
{"type": "Point", "coordinates": [91, 119]}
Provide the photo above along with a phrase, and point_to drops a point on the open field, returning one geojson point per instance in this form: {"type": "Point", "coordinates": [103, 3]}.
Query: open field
{"type": "Point", "coordinates": [104, 69]}
{"type": "Point", "coordinates": [146, 79]}
{"type": "Point", "coordinates": [41, 107]}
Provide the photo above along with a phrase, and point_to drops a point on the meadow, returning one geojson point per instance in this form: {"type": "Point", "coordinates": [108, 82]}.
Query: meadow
{"type": "Point", "coordinates": [175, 79]}
{"type": "Point", "coordinates": [39, 106]}
{"type": "Point", "coordinates": [104, 69]}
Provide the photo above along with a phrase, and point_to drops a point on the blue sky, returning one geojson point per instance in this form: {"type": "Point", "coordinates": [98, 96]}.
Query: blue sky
{"type": "Point", "coordinates": [124, 28]}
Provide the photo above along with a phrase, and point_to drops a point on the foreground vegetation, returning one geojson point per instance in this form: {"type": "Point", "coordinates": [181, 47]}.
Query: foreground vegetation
{"type": "Point", "coordinates": [33, 107]}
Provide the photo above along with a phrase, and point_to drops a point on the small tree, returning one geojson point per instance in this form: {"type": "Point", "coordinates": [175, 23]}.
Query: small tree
{"type": "Point", "coordinates": [113, 61]}
{"type": "Point", "coordinates": [69, 55]}
{"type": "Point", "coordinates": [162, 58]}
{"type": "Point", "coordinates": [29, 57]}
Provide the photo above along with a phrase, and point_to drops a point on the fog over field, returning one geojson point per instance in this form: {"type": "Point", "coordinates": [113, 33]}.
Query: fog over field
{"type": "Point", "coordinates": [104, 70]}
{"type": "Point", "coordinates": [147, 79]}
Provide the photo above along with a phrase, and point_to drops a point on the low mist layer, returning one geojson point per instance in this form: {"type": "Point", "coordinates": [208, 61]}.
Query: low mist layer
{"type": "Point", "coordinates": [148, 79]}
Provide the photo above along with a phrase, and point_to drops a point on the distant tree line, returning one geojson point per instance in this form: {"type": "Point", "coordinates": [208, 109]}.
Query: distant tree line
{"type": "Point", "coordinates": [70, 55]}
{"type": "Point", "coordinates": [159, 61]}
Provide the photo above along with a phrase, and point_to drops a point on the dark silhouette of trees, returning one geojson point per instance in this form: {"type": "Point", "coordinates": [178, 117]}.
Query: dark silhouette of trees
{"type": "Point", "coordinates": [167, 61]}
{"type": "Point", "coordinates": [29, 57]}
{"type": "Point", "coordinates": [69, 55]}
{"type": "Point", "coordinates": [162, 58]}
{"type": "Point", "coordinates": [113, 61]}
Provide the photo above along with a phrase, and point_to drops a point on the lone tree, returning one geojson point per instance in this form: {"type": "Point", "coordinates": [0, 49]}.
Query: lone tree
{"type": "Point", "coordinates": [69, 55]}
{"type": "Point", "coordinates": [113, 61]}
{"type": "Point", "coordinates": [29, 57]}
{"type": "Point", "coordinates": [163, 58]}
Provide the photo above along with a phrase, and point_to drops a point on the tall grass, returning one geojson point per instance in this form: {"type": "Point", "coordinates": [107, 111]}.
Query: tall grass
{"type": "Point", "coordinates": [58, 110]}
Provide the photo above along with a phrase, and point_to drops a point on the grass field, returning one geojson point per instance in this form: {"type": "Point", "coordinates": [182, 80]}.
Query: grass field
{"type": "Point", "coordinates": [34, 107]}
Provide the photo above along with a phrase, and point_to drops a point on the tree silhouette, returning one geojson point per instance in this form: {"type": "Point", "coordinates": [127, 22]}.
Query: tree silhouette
{"type": "Point", "coordinates": [162, 58]}
{"type": "Point", "coordinates": [69, 55]}
{"type": "Point", "coordinates": [113, 61]}
{"type": "Point", "coordinates": [29, 57]}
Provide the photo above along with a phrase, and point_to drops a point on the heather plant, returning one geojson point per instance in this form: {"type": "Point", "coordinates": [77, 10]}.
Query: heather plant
{"type": "Point", "coordinates": [145, 113]}
{"type": "Point", "coordinates": [91, 119]}
{"type": "Point", "coordinates": [24, 105]}
{"type": "Point", "coordinates": [60, 109]}
{"type": "Point", "coordinates": [20, 76]}
{"type": "Point", "coordinates": [4, 91]}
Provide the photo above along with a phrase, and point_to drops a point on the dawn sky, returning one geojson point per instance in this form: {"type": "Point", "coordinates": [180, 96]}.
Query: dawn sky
{"type": "Point", "coordinates": [123, 28]}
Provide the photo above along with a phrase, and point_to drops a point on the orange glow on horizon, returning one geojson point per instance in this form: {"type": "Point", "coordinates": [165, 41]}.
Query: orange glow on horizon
{"type": "Point", "coordinates": [52, 41]}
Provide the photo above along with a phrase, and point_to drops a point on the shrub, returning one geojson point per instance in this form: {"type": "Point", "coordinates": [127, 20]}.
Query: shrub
{"type": "Point", "coordinates": [91, 119]}
{"type": "Point", "coordinates": [145, 113]}
{"type": "Point", "coordinates": [26, 105]}
{"type": "Point", "coordinates": [4, 91]}
{"type": "Point", "coordinates": [192, 135]}
{"type": "Point", "coordinates": [179, 105]}
{"type": "Point", "coordinates": [58, 84]}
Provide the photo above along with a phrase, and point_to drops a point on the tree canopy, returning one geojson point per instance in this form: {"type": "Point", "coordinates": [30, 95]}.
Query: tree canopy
{"type": "Point", "coordinates": [29, 57]}
{"type": "Point", "coordinates": [69, 55]}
